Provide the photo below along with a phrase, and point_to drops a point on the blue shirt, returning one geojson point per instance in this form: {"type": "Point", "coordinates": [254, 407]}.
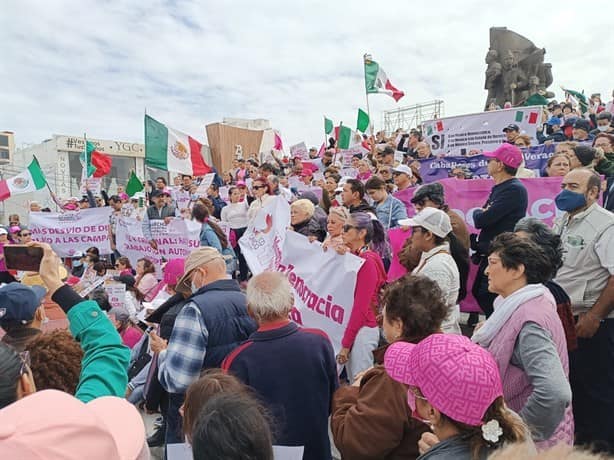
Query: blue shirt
{"type": "Point", "coordinates": [390, 211]}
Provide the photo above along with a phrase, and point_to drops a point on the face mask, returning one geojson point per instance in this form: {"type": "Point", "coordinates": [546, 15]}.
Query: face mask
{"type": "Point", "coordinates": [193, 287]}
{"type": "Point", "coordinates": [570, 201]}
{"type": "Point", "coordinates": [603, 128]}
{"type": "Point", "coordinates": [77, 263]}
{"type": "Point", "coordinates": [194, 197]}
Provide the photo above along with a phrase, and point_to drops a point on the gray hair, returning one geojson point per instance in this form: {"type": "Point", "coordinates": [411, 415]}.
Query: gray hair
{"type": "Point", "coordinates": [273, 179]}
{"type": "Point", "coordinates": [304, 205]}
{"type": "Point", "coordinates": [269, 296]}
{"type": "Point", "coordinates": [545, 238]}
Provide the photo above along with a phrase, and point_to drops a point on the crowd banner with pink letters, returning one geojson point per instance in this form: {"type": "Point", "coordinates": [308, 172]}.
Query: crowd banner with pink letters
{"type": "Point", "coordinates": [323, 283]}
{"type": "Point", "coordinates": [72, 231]}
{"type": "Point", "coordinates": [465, 196]}
{"type": "Point", "coordinates": [262, 242]}
{"type": "Point", "coordinates": [479, 131]}
{"type": "Point", "coordinates": [175, 240]}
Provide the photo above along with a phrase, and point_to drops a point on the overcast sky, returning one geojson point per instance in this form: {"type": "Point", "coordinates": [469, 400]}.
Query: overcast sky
{"type": "Point", "coordinates": [69, 67]}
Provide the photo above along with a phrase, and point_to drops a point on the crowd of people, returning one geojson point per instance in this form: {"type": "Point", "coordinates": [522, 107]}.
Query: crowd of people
{"type": "Point", "coordinates": [210, 346]}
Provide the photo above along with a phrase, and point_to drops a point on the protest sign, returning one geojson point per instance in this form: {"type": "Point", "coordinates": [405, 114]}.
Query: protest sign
{"type": "Point", "coordinates": [323, 283]}
{"type": "Point", "coordinates": [116, 293]}
{"type": "Point", "coordinates": [299, 151]}
{"type": "Point", "coordinates": [181, 198]}
{"type": "Point", "coordinates": [93, 184]}
{"type": "Point", "coordinates": [224, 194]}
{"type": "Point", "coordinates": [73, 231]}
{"type": "Point", "coordinates": [482, 131]}
{"type": "Point", "coordinates": [346, 155]}
{"type": "Point", "coordinates": [262, 242]}
{"type": "Point", "coordinates": [203, 188]}
{"type": "Point", "coordinates": [434, 169]}
{"type": "Point", "coordinates": [175, 240]}
{"type": "Point", "coordinates": [349, 172]}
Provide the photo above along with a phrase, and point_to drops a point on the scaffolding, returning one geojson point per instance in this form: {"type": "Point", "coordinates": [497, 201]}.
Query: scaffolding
{"type": "Point", "coordinates": [411, 116]}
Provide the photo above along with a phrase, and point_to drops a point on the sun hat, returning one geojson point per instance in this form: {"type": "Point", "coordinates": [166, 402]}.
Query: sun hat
{"type": "Point", "coordinates": [434, 220]}
{"type": "Point", "coordinates": [456, 376]}
{"type": "Point", "coordinates": [54, 424]}
{"type": "Point", "coordinates": [197, 258]}
{"type": "Point", "coordinates": [506, 153]}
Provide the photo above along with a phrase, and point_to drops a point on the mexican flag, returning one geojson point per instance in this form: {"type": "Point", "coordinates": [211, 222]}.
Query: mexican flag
{"type": "Point", "coordinates": [171, 150]}
{"type": "Point", "coordinates": [376, 80]}
{"type": "Point", "coordinates": [95, 163]}
{"type": "Point", "coordinates": [28, 181]}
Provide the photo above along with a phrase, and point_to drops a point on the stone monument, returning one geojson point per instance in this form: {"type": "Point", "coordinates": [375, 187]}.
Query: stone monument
{"type": "Point", "coordinates": [515, 69]}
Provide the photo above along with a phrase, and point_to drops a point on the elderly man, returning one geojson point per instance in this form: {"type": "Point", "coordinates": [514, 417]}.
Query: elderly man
{"type": "Point", "coordinates": [423, 151]}
{"type": "Point", "coordinates": [402, 176]}
{"type": "Point", "coordinates": [208, 327]}
{"type": "Point", "coordinates": [158, 211]}
{"type": "Point", "coordinates": [21, 313]}
{"type": "Point", "coordinates": [291, 368]}
{"type": "Point", "coordinates": [587, 275]}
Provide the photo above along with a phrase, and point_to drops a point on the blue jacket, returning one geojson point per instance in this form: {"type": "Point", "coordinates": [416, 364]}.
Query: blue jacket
{"type": "Point", "coordinates": [390, 211]}
{"type": "Point", "coordinates": [224, 312]}
{"type": "Point", "coordinates": [293, 370]}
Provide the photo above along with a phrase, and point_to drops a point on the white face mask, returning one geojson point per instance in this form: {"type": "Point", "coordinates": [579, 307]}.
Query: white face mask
{"type": "Point", "coordinates": [603, 128]}
{"type": "Point", "coordinates": [194, 287]}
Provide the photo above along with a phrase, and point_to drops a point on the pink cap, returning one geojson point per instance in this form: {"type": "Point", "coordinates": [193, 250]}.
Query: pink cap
{"type": "Point", "coordinates": [54, 424]}
{"type": "Point", "coordinates": [15, 229]}
{"type": "Point", "coordinates": [173, 270]}
{"type": "Point", "coordinates": [508, 154]}
{"type": "Point", "coordinates": [123, 196]}
{"type": "Point", "coordinates": [241, 183]}
{"type": "Point", "coordinates": [455, 375]}
{"type": "Point", "coordinates": [306, 172]}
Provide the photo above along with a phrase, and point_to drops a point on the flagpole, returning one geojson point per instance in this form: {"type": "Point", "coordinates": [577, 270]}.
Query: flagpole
{"type": "Point", "coordinates": [325, 135]}
{"type": "Point", "coordinates": [372, 140]}
{"type": "Point", "coordinates": [53, 196]}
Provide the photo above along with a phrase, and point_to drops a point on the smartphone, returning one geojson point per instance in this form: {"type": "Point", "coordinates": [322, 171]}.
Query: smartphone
{"type": "Point", "coordinates": [21, 257]}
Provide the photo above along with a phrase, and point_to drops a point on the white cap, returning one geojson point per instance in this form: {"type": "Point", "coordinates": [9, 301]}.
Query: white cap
{"type": "Point", "coordinates": [3, 231]}
{"type": "Point", "coordinates": [404, 169]}
{"type": "Point", "coordinates": [434, 220]}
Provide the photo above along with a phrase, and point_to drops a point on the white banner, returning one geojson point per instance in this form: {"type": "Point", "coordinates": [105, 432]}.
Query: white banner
{"type": "Point", "coordinates": [300, 151]}
{"type": "Point", "coordinates": [348, 154]}
{"type": "Point", "coordinates": [456, 136]}
{"type": "Point", "coordinates": [175, 240]}
{"type": "Point", "coordinates": [323, 283]}
{"type": "Point", "coordinates": [116, 293]}
{"type": "Point", "coordinates": [73, 231]}
{"type": "Point", "coordinates": [262, 241]}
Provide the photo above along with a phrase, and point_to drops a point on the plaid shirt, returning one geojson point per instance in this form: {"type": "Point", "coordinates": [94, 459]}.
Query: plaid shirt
{"type": "Point", "coordinates": [180, 364]}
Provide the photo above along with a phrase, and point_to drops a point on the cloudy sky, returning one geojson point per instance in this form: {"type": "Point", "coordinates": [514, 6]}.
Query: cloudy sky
{"type": "Point", "coordinates": [69, 67]}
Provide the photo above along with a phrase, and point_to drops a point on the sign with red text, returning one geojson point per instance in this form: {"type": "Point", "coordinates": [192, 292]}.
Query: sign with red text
{"type": "Point", "coordinates": [323, 283]}
{"type": "Point", "coordinates": [73, 231]}
{"type": "Point", "coordinates": [175, 240]}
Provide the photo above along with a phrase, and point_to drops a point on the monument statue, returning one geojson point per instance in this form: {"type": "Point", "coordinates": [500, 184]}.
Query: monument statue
{"type": "Point", "coordinates": [515, 69]}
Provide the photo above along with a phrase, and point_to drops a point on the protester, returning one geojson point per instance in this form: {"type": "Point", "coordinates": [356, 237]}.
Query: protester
{"type": "Point", "coordinates": [443, 259]}
{"type": "Point", "coordinates": [55, 361]}
{"type": "Point", "coordinates": [581, 156]}
{"type": "Point", "coordinates": [212, 235]}
{"type": "Point", "coordinates": [527, 340]}
{"type": "Point", "coordinates": [262, 197]}
{"type": "Point", "coordinates": [512, 131]}
{"type": "Point", "coordinates": [432, 195]}
{"type": "Point", "coordinates": [303, 364]}
{"type": "Point", "coordinates": [124, 266]}
{"type": "Point", "coordinates": [467, 424]}
{"type": "Point", "coordinates": [389, 210]}
{"type": "Point", "coordinates": [587, 275]}
{"type": "Point", "coordinates": [337, 217]}
{"type": "Point", "coordinates": [558, 165]}
{"type": "Point", "coordinates": [371, 418]}
{"type": "Point", "coordinates": [235, 216]}
{"type": "Point", "coordinates": [145, 281]}
{"type": "Point", "coordinates": [208, 327]}
{"type": "Point", "coordinates": [21, 313]}
{"type": "Point", "coordinates": [132, 297]}
{"type": "Point", "coordinates": [232, 427]}
{"type": "Point", "coordinates": [402, 176]}
{"type": "Point", "coordinates": [214, 195]}
{"type": "Point", "coordinates": [361, 335]}
{"type": "Point", "coordinates": [556, 134]}
{"type": "Point", "coordinates": [128, 332]}
{"type": "Point", "coordinates": [353, 196]}
{"type": "Point", "coordinates": [581, 130]}
{"type": "Point", "coordinates": [303, 221]}
{"type": "Point", "coordinates": [158, 211]}
{"type": "Point", "coordinates": [506, 205]}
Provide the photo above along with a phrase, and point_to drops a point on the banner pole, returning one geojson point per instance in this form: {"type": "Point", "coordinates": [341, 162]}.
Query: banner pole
{"type": "Point", "coordinates": [371, 140]}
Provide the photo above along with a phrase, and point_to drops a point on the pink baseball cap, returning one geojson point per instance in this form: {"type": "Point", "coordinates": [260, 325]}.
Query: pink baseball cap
{"type": "Point", "coordinates": [508, 154]}
{"type": "Point", "coordinates": [54, 424]}
{"type": "Point", "coordinates": [455, 375]}
{"type": "Point", "coordinates": [173, 270]}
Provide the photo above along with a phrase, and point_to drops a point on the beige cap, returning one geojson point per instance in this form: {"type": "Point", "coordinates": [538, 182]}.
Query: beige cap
{"type": "Point", "coordinates": [197, 258]}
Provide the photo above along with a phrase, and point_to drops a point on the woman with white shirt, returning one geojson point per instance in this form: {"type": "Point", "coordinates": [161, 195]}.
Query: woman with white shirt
{"type": "Point", "coordinates": [235, 215]}
{"type": "Point", "coordinates": [261, 192]}
{"type": "Point", "coordinates": [443, 259]}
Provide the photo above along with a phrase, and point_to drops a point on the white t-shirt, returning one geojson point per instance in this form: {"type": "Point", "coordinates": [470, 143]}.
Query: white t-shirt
{"type": "Point", "coordinates": [235, 214]}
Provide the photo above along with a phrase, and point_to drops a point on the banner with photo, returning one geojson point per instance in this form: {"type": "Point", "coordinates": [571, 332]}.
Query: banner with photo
{"type": "Point", "coordinates": [73, 231]}
{"type": "Point", "coordinates": [262, 242]}
{"type": "Point", "coordinates": [324, 284]}
{"type": "Point", "coordinates": [175, 240]}
{"type": "Point", "coordinates": [479, 131]}
{"type": "Point", "coordinates": [434, 169]}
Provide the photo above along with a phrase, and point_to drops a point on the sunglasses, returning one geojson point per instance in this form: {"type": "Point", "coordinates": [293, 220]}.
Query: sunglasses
{"type": "Point", "coordinates": [258, 187]}
{"type": "Point", "coordinates": [348, 227]}
{"type": "Point", "coordinates": [25, 234]}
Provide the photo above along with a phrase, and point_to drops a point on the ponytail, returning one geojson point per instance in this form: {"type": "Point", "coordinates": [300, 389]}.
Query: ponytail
{"type": "Point", "coordinates": [379, 240]}
{"type": "Point", "coordinates": [220, 233]}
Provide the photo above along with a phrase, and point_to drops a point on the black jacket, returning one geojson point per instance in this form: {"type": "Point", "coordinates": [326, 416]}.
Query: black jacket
{"type": "Point", "coordinates": [311, 227]}
{"type": "Point", "coordinates": [506, 205]}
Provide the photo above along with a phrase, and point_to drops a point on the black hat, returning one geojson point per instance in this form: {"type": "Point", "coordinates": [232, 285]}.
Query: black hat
{"type": "Point", "coordinates": [433, 191]}
{"type": "Point", "coordinates": [388, 150]}
{"type": "Point", "coordinates": [581, 123]}
{"type": "Point", "coordinates": [511, 127]}
{"type": "Point", "coordinates": [128, 280]}
{"type": "Point", "coordinates": [585, 154]}
{"type": "Point", "coordinates": [157, 193]}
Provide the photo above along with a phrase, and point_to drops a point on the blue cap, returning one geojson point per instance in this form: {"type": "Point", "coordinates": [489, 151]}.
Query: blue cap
{"type": "Point", "coordinates": [19, 302]}
{"type": "Point", "coordinates": [554, 121]}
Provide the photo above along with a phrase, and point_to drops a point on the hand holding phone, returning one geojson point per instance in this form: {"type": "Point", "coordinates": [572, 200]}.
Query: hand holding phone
{"type": "Point", "coordinates": [22, 257]}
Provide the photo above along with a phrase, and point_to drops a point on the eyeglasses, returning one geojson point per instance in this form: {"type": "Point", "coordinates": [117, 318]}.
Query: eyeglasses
{"type": "Point", "coordinates": [25, 234]}
{"type": "Point", "coordinates": [348, 227]}
{"type": "Point", "coordinates": [258, 187]}
{"type": "Point", "coordinates": [25, 362]}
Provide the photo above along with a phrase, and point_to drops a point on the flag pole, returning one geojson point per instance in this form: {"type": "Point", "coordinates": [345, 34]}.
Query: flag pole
{"type": "Point", "coordinates": [372, 140]}
{"type": "Point", "coordinates": [53, 196]}
{"type": "Point", "coordinates": [325, 135]}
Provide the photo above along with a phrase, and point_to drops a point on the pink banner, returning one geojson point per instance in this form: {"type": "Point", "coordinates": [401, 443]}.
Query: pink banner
{"type": "Point", "coordinates": [465, 196]}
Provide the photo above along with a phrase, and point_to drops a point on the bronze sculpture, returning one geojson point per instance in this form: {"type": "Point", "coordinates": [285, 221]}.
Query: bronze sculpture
{"type": "Point", "coordinates": [515, 69]}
